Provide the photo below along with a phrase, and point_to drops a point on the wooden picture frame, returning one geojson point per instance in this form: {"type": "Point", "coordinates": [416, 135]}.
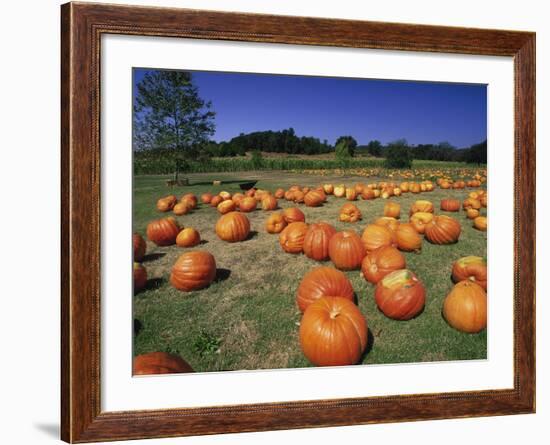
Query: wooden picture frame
{"type": "Point", "coordinates": [81, 30]}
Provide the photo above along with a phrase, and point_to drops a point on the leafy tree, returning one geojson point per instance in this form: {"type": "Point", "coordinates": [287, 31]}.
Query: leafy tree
{"type": "Point", "coordinates": [342, 150]}
{"type": "Point", "coordinates": [257, 159]}
{"type": "Point", "coordinates": [477, 154]}
{"type": "Point", "coordinates": [374, 148]}
{"type": "Point", "coordinates": [350, 142]}
{"type": "Point", "coordinates": [398, 155]}
{"type": "Point", "coordinates": [170, 114]}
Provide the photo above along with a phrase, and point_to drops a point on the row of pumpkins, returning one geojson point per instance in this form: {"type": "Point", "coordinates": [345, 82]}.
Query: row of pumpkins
{"type": "Point", "coordinates": [325, 295]}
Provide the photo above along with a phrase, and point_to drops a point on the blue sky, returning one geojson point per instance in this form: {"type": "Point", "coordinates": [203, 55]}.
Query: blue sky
{"type": "Point", "coordinates": [329, 107]}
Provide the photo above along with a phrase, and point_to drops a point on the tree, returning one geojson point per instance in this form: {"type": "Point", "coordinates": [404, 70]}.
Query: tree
{"type": "Point", "coordinates": [398, 155]}
{"type": "Point", "coordinates": [342, 150]}
{"type": "Point", "coordinates": [477, 153]}
{"type": "Point", "coordinates": [350, 142]}
{"type": "Point", "coordinates": [375, 148]}
{"type": "Point", "coordinates": [170, 114]}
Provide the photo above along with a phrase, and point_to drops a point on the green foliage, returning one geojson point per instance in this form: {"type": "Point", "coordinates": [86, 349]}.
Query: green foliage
{"type": "Point", "coordinates": [347, 146]}
{"type": "Point", "coordinates": [398, 155]}
{"type": "Point", "coordinates": [206, 343]}
{"type": "Point", "coordinates": [477, 154]}
{"type": "Point", "coordinates": [257, 159]}
{"type": "Point", "coordinates": [374, 148]}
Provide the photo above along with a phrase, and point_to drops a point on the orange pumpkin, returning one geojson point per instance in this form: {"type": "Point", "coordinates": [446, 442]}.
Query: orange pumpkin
{"type": "Point", "coordinates": [275, 223]}
{"type": "Point", "coordinates": [333, 332]}
{"type": "Point", "coordinates": [314, 198]}
{"type": "Point", "coordinates": [140, 277]}
{"type": "Point", "coordinates": [193, 270]}
{"type": "Point", "coordinates": [350, 213]}
{"type": "Point", "coordinates": [450, 205]}
{"type": "Point", "coordinates": [470, 203]}
{"type": "Point", "coordinates": [279, 193]}
{"type": "Point", "coordinates": [139, 246]}
{"type": "Point", "coordinates": [181, 208]}
{"type": "Point", "coordinates": [472, 213]}
{"type": "Point", "coordinates": [421, 206]}
{"type": "Point", "coordinates": [443, 230]}
{"type": "Point", "coordinates": [237, 198]}
{"type": "Point", "coordinates": [380, 262]}
{"type": "Point", "coordinates": [298, 196]}
{"type": "Point", "coordinates": [480, 223]}
{"type": "Point", "coordinates": [419, 221]}
{"type": "Point", "coordinates": [247, 204]}
{"type": "Point", "coordinates": [215, 201]}
{"type": "Point", "coordinates": [414, 187]}
{"type": "Point", "coordinates": [233, 227]}
{"type": "Point", "coordinates": [226, 206]}
{"type": "Point", "coordinates": [465, 308]}
{"type": "Point", "coordinates": [388, 222]}
{"type": "Point", "coordinates": [225, 195]}
{"type": "Point", "coordinates": [368, 194]}
{"type": "Point", "coordinates": [317, 240]}
{"type": "Point", "coordinates": [159, 363]}
{"type": "Point", "coordinates": [351, 194]}
{"type": "Point", "coordinates": [392, 210]}
{"type": "Point", "coordinates": [293, 214]}
{"type": "Point", "coordinates": [322, 282]}
{"type": "Point", "coordinates": [346, 250]}
{"type": "Point", "coordinates": [167, 203]}
{"type": "Point", "coordinates": [292, 237]}
{"type": "Point", "coordinates": [340, 191]}
{"type": "Point", "coordinates": [190, 199]}
{"type": "Point", "coordinates": [407, 238]}
{"type": "Point", "coordinates": [163, 232]}
{"type": "Point", "coordinates": [471, 268]}
{"type": "Point", "coordinates": [328, 189]}
{"type": "Point", "coordinates": [483, 201]}
{"type": "Point", "coordinates": [188, 237]}
{"type": "Point", "coordinates": [375, 236]}
{"type": "Point", "coordinates": [269, 202]}
{"type": "Point", "coordinates": [206, 198]}
{"type": "Point", "coordinates": [400, 295]}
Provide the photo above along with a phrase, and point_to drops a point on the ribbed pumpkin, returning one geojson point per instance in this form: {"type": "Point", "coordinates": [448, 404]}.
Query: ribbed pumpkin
{"type": "Point", "coordinates": [346, 250]}
{"type": "Point", "coordinates": [159, 363]}
{"type": "Point", "coordinates": [139, 246]}
{"type": "Point", "coordinates": [226, 206]}
{"type": "Point", "coordinates": [470, 203]}
{"type": "Point", "coordinates": [233, 227]}
{"type": "Point", "coordinates": [314, 198]}
{"type": "Point", "coordinates": [400, 295]}
{"type": "Point", "coordinates": [166, 203]}
{"type": "Point", "coordinates": [450, 205]}
{"type": "Point", "coordinates": [333, 332]}
{"type": "Point", "coordinates": [293, 214]}
{"type": "Point", "coordinates": [350, 213]}
{"type": "Point", "coordinates": [443, 230]}
{"type": "Point", "coordinates": [480, 223]}
{"type": "Point", "coordinates": [140, 277]}
{"type": "Point", "coordinates": [465, 308]}
{"type": "Point", "coordinates": [407, 238]}
{"type": "Point", "coordinates": [292, 237]}
{"type": "Point", "coordinates": [298, 196]}
{"type": "Point", "coordinates": [163, 232]}
{"type": "Point", "coordinates": [247, 204]}
{"type": "Point", "coordinates": [388, 222]}
{"type": "Point", "coordinates": [188, 237]}
{"type": "Point", "coordinates": [275, 223]}
{"type": "Point", "coordinates": [419, 221]}
{"type": "Point", "coordinates": [392, 209]}
{"type": "Point", "coordinates": [368, 194]}
{"type": "Point", "coordinates": [421, 206]}
{"type": "Point", "coordinates": [471, 268]}
{"type": "Point", "coordinates": [193, 270]}
{"type": "Point", "coordinates": [269, 202]}
{"type": "Point", "coordinates": [206, 198]}
{"type": "Point", "coordinates": [317, 240]}
{"type": "Point", "coordinates": [380, 262]}
{"type": "Point", "coordinates": [321, 282]}
{"type": "Point", "coordinates": [375, 236]}
{"type": "Point", "coordinates": [351, 194]}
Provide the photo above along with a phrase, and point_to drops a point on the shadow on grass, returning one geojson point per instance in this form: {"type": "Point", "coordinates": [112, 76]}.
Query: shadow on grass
{"type": "Point", "coordinates": [155, 283]}
{"type": "Point", "coordinates": [153, 257]}
{"type": "Point", "coordinates": [137, 326]}
{"type": "Point", "coordinates": [253, 234]}
{"type": "Point", "coordinates": [222, 275]}
{"type": "Point", "coordinates": [203, 241]}
{"type": "Point", "coordinates": [370, 344]}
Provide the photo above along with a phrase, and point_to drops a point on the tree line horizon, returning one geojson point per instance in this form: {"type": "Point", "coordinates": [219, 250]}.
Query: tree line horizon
{"type": "Point", "coordinates": [170, 115]}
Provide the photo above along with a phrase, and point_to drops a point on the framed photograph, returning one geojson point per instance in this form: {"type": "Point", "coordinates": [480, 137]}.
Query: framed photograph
{"type": "Point", "coordinates": [274, 222]}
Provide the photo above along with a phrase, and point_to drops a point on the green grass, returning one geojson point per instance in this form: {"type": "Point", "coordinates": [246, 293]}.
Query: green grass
{"type": "Point", "coordinates": [248, 318]}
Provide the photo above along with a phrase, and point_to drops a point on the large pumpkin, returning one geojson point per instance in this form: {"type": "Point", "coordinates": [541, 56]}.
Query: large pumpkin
{"type": "Point", "coordinates": [163, 232]}
{"type": "Point", "coordinates": [193, 270]}
{"type": "Point", "coordinates": [314, 198]}
{"type": "Point", "coordinates": [392, 209]}
{"type": "Point", "coordinates": [380, 262]}
{"type": "Point", "coordinates": [421, 206]}
{"type": "Point", "coordinates": [407, 238]}
{"type": "Point", "coordinates": [473, 268]}
{"type": "Point", "coordinates": [333, 332]}
{"type": "Point", "coordinates": [419, 221]}
{"type": "Point", "coordinates": [350, 213]}
{"type": "Point", "coordinates": [269, 202]}
{"type": "Point", "coordinates": [321, 282]}
{"type": "Point", "coordinates": [443, 230]}
{"type": "Point", "coordinates": [317, 240]}
{"type": "Point", "coordinates": [293, 214]}
{"type": "Point", "coordinates": [480, 223]}
{"type": "Point", "coordinates": [450, 205]}
{"type": "Point", "coordinates": [292, 237]}
{"type": "Point", "coordinates": [139, 246]}
{"type": "Point", "coordinates": [248, 204]}
{"type": "Point", "coordinates": [233, 227]}
{"type": "Point", "coordinates": [346, 250]}
{"type": "Point", "coordinates": [465, 308]}
{"type": "Point", "coordinates": [188, 237]}
{"type": "Point", "coordinates": [375, 236]}
{"type": "Point", "coordinates": [140, 277]}
{"type": "Point", "coordinates": [275, 223]}
{"type": "Point", "coordinates": [159, 363]}
{"type": "Point", "coordinates": [400, 295]}
{"type": "Point", "coordinates": [388, 222]}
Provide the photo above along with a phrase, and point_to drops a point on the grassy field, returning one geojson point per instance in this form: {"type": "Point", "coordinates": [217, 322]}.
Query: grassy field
{"type": "Point", "coordinates": [248, 318]}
